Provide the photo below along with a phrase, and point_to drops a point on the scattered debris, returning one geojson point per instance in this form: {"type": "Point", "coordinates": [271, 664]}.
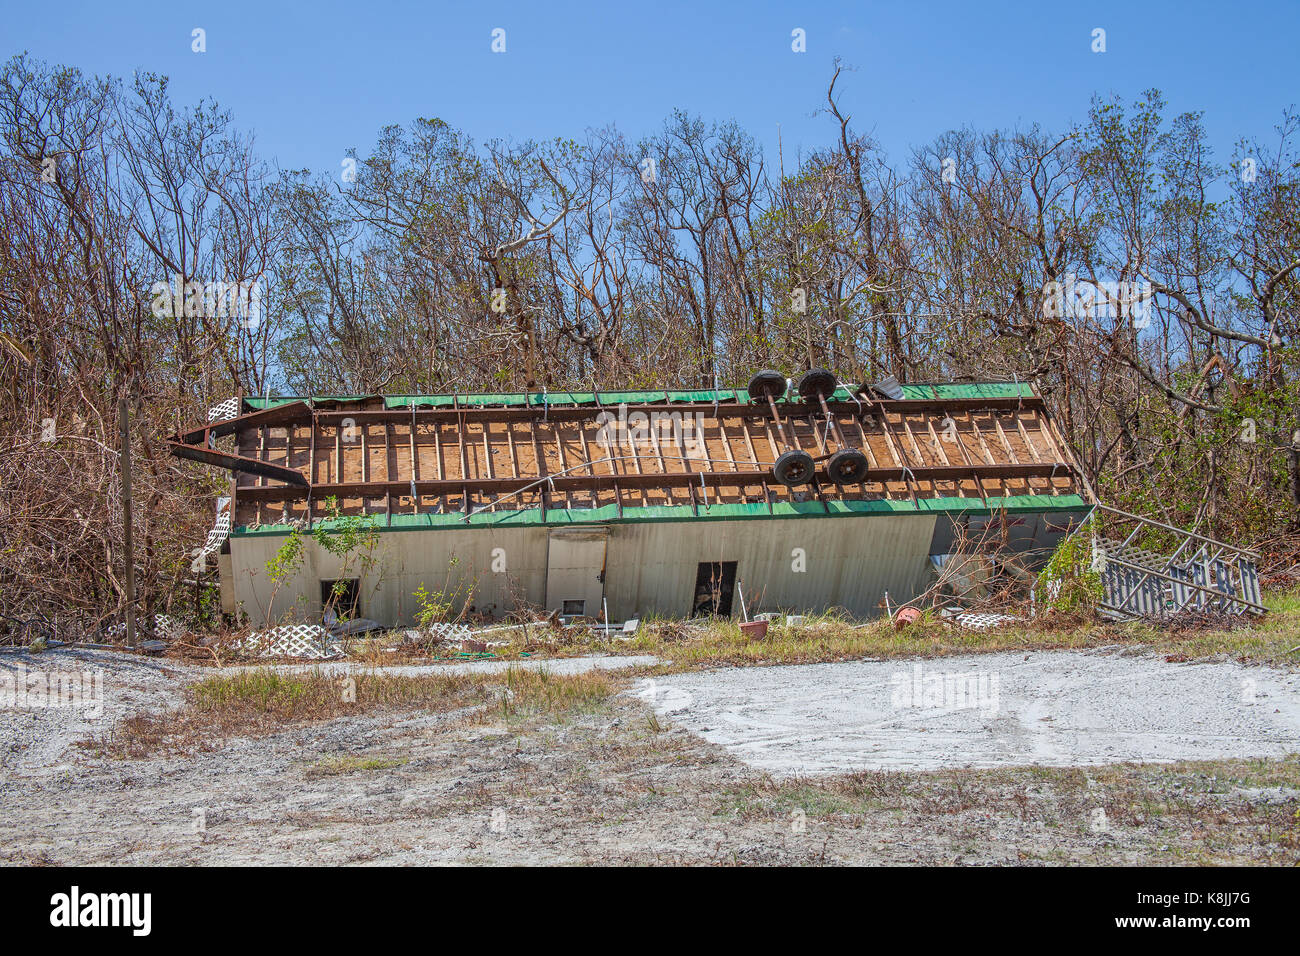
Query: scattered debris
{"type": "Point", "coordinates": [887, 387]}
{"type": "Point", "coordinates": [440, 633]}
{"type": "Point", "coordinates": [1281, 580]}
{"type": "Point", "coordinates": [358, 625]}
{"type": "Point", "coordinates": [976, 621]}
{"type": "Point", "coordinates": [19, 632]}
{"type": "Point", "coordinates": [670, 631]}
{"type": "Point", "coordinates": [1279, 567]}
{"type": "Point", "coordinates": [1206, 619]}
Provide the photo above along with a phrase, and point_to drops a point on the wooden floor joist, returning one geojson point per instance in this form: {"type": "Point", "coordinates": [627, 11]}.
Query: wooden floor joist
{"type": "Point", "coordinates": [700, 454]}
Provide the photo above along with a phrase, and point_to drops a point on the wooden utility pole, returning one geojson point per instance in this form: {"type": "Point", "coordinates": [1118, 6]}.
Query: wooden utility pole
{"type": "Point", "coordinates": [128, 547]}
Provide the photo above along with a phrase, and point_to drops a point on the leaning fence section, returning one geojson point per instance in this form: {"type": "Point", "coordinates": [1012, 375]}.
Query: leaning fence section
{"type": "Point", "coordinates": [1152, 569]}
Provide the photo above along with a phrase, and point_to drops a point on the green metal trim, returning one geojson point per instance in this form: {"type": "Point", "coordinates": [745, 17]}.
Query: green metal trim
{"type": "Point", "coordinates": [913, 392]}
{"type": "Point", "coordinates": [406, 401]}
{"type": "Point", "coordinates": [560, 517]}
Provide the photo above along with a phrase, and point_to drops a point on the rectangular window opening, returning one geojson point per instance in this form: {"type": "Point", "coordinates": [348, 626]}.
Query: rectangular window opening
{"type": "Point", "coordinates": [343, 597]}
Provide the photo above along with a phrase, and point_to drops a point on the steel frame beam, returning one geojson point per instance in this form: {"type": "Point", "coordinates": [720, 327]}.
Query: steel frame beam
{"type": "Point", "coordinates": [300, 412]}
{"type": "Point", "coordinates": [210, 456]}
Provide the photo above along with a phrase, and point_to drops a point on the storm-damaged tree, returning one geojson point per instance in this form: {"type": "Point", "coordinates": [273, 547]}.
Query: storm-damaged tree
{"type": "Point", "coordinates": [1147, 289]}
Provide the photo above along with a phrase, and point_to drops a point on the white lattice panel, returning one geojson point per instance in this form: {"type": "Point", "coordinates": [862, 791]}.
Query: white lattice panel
{"type": "Point", "coordinates": [227, 409]}
{"type": "Point", "coordinates": [167, 628]}
{"type": "Point", "coordinates": [974, 621]}
{"type": "Point", "coordinates": [448, 633]}
{"type": "Point", "coordinates": [216, 537]}
{"type": "Point", "coordinates": [164, 626]}
{"type": "Point", "coordinates": [309, 641]}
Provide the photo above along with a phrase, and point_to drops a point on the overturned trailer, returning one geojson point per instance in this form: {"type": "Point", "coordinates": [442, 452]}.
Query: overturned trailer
{"type": "Point", "coordinates": [630, 504]}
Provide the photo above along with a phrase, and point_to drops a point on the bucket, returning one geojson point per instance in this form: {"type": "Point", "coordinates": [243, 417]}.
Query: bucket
{"type": "Point", "coordinates": [906, 616]}
{"type": "Point", "coordinates": [754, 630]}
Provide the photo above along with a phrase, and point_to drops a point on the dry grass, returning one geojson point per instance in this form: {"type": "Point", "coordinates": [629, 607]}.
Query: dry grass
{"type": "Point", "coordinates": [828, 639]}
{"type": "Point", "coordinates": [684, 644]}
{"type": "Point", "coordinates": [539, 693]}
{"type": "Point", "coordinates": [644, 776]}
{"type": "Point", "coordinates": [624, 786]}
{"type": "Point", "coordinates": [333, 766]}
{"type": "Point", "coordinates": [1275, 640]}
{"type": "Point", "coordinates": [1214, 802]}
{"type": "Point", "coordinates": [262, 701]}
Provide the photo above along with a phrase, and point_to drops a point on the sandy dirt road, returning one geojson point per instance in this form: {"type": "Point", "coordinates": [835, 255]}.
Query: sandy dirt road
{"type": "Point", "coordinates": [1053, 708]}
{"type": "Point", "coordinates": [625, 784]}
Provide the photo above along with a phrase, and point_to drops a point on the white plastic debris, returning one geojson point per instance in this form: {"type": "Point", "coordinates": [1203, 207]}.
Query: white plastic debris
{"type": "Point", "coordinates": [973, 621]}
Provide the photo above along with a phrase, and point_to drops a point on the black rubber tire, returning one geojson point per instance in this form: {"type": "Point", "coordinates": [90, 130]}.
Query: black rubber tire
{"type": "Point", "coordinates": [814, 382]}
{"type": "Point", "coordinates": [848, 466]}
{"type": "Point", "coordinates": [794, 468]}
{"type": "Point", "coordinates": [765, 383]}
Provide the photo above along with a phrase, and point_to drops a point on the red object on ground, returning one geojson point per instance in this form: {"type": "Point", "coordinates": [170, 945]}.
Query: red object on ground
{"type": "Point", "coordinates": [756, 630]}
{"type": "Point", "coordinates": [906, 616]}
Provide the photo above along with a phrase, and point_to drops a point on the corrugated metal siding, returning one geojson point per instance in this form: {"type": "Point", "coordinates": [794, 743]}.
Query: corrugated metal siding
{"type": "Point", "coordinates": [403, 563]}
{"type": "Point", "coordinates": [650, 567]}
{"type": "Point", "coordinates": [848, 564]}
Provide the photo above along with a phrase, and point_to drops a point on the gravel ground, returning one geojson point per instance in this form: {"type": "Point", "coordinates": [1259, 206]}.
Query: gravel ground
{"type": "Point", "coordinates": [623, 785]}
{"type": "Point", "coordinates": [1052, 708]}
{"type": "Point", "coordinates": [122, 685]}
{"type": "Point", "coordinates": [116, 685]}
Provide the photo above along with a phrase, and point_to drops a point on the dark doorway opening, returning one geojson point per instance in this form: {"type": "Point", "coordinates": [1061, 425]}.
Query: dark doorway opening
{"type": "Point", "coordinates": [344, 596]}
{"type": "Point", "coordinates": [714, 583]}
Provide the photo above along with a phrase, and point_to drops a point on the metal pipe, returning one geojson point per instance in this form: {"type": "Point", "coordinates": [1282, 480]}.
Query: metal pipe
{"type": "Point", "coordinates": [777, 415]}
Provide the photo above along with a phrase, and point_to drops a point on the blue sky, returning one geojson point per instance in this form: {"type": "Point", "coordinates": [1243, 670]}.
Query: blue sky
{"type": "Point", "coordinates": [312, 80]}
